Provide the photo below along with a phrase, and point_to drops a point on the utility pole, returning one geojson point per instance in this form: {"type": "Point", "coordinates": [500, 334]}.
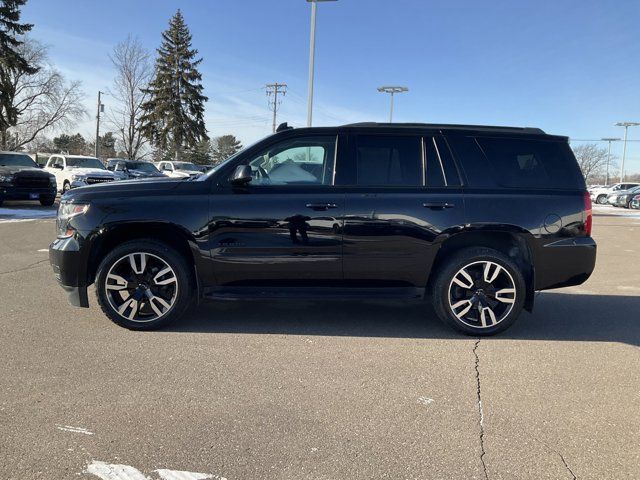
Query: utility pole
{"type": "Point", "coordinates": [609, 156]}
{"type": "Point", "coordinates": [392, 91]}
{"type": "Point", "coordinates": [626, 126]}
{"type": "Point", "coordinates": [100, 109]}
{"type": "Point", "coordinates": [274, 89]}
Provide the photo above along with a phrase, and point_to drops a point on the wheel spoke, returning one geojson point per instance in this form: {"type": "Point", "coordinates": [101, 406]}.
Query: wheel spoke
{"type": "Point", "coordinates": [117, 282]}
{"type": "Point", "coordinates": [157, 303]}
{"type": "Point", "coordinates": [465, 306]}
{"type": "Point", "coordinates": [487, 317]}
{"type": "Point", "coordinates": [130, 304]}
{"type": "Point", "coordinates": [168, 273]}
{"type": "Point", "coordinates": [491, 271]}
{"type": "Point", "coordinates": [465, 282]}
{"type": "Point", "coordinates": [506, 295]}
{"type": "Point", "coordinates": [138, 269]}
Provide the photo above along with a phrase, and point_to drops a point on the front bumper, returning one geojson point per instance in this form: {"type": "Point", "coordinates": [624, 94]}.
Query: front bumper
{"type": "Point", "coordinates": [69, 267]}
{"type": "Point", "coordinates": [10, 192]}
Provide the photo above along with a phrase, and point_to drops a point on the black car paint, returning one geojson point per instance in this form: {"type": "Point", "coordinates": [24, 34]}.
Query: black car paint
{"type": "Point", "coordinates": [25, 182]}
{"type": "Point", "coordinates": [259, 237]}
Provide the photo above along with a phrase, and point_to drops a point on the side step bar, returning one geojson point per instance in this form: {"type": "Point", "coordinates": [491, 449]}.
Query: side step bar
{"type": "Point", "coordinates": [312, 293]}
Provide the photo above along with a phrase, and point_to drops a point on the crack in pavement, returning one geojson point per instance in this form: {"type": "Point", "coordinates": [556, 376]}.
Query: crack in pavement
{"type": "Point", "coordinates": [480, 411]}
{"type": "Point", "coordinates": [21, 269]}
{"type": "Point", "coordinates": [566, 465]}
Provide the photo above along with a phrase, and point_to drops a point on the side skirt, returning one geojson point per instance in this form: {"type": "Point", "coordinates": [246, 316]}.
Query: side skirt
{"type": "Point", "coordinates": [312, 293]}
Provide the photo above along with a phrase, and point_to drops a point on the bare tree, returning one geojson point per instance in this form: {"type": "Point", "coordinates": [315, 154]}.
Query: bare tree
{"type": "Point", "coordinates": [43, 100]}
{"type": "Point", "coordinates": [592, 160]}
{"type": "Point", "coordinates": [133, 72]}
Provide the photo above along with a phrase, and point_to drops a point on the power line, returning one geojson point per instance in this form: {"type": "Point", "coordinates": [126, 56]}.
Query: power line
{"type": "Point", "coordinates": [273, 89]}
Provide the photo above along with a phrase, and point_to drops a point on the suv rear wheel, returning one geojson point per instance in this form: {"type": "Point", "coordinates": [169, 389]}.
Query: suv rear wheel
{"type": "Point", "coordinates": [601, 199]}
{"type": "Point", "coordinates": [143, 285]}
{"type": "Point", "coordinates": [479, 291]}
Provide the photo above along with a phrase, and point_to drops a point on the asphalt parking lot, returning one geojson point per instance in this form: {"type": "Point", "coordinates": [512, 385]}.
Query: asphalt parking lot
{"type": "Point", "coordinates": [293, 390]}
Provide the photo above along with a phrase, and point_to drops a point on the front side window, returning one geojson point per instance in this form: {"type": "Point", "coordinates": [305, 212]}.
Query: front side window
{"type": "Point", "coordinates": [388, 161]}
{"type": "Point", "coordinates": [298, 161]}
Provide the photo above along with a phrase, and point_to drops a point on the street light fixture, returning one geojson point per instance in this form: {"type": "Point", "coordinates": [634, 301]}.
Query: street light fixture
{"type": "Point", "coordinates": [626, 126]}
{"type": "Point", "coordinates": [392, 91]}
{"type": "Point", "coordinates": [609, 155]}
{"type": "Point", "coordinates": [312, 55]}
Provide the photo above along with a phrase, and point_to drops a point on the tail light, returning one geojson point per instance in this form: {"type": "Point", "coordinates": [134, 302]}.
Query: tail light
{"type": "Point", "coordinates": [588, 211]}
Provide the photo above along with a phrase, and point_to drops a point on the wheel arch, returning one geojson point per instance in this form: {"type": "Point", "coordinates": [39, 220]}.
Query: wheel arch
{"type": "Point", "coordinates": [511, 241]}
{"type": "Point", "coordinates": [171, 234]}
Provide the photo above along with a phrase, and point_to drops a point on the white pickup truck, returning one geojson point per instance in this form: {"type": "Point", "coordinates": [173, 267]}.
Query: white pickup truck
{"type": "Point", "coordinates": [73, 171]}
{"type": "Point", "coordinates": [179, 169]}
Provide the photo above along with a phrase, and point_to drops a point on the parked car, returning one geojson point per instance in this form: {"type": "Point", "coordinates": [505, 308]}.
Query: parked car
{"type": "Point", "coordinates": [599, 195]}
{"type": "Point", "coordinates": [132, 169]}
{"type": "Point", "coordinates": [72, 171]}
{"type": "Point", "coordinates": [623, 198]}
{"type": "Point", "coordinates": [473, 219]}
{"type": "Point", "coordinates": [22, 179]}
{"type": "Point", "coordinates": [179, 169]}
{"type": "Point", "coordinates": [635, 202]}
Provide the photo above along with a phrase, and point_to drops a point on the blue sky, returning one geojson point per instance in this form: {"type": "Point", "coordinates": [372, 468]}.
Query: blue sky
{"type": "Point", "coordinates": [570, 67]}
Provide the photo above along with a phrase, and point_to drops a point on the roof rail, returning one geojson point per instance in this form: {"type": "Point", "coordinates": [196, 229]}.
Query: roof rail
{"type": "Point", "coordinates": [445, 126]}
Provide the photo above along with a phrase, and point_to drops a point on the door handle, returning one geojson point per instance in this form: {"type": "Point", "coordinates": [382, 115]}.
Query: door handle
{"type": "Point", "coordinates": [321, 206]}
{"type": "Point", "coordinates": [438, 205]}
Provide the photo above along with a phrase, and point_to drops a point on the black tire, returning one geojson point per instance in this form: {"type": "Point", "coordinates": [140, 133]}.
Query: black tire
{"type": "Point", "coordinates": [601, 199]}
{"type": "Point", "coordinates": [153, 249]}
{"type": "Point", "coordinates": [66, 186]}
{"type": "Point", "coordinates": [47, 201]}
{"type": "Point", "coordinates": [475, 258]}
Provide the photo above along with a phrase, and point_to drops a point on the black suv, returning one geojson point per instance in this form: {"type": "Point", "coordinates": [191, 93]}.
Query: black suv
{"type": "Point", "coordinates": [475, 219]}
{"type": "Point", "coordinates": [22, 179]}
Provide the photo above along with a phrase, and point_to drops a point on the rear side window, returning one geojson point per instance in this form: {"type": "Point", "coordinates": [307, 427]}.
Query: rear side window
{"type": "Point", "coordinates": [388, 161]}
{"type": "Point", "coordinates": [518, 163]}
{"type": "Point", "coordinates": [440, 170]}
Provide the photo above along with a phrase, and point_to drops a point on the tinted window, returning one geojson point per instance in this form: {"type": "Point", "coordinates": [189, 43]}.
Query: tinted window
{"type": "Point", "coordinates": [477, 170]}
{"type": "Point", "coordinates": [298, 161]}
{"type": "Point", "coordinates": [388, 161]}
{"type": "Point", "coordinates": [440, 168]}
{"type": "Point", "coordinates": [532, 163]}
{"type": "Point", "coordinates": [84, 162]}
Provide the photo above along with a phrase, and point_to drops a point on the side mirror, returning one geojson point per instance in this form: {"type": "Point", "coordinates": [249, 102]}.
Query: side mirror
{"type": "Point", "coordinates": [241, 175]}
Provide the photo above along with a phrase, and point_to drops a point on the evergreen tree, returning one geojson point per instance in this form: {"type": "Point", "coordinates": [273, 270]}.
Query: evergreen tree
{"type": "Point", "coordinates": [11, 60]}
{"type": "Point", "coordinates": [201, 154]}
{"type": "Point", "coordinates": [226, 145]}
{"type": "Point", "coordinates": [71, 144]}
{"type": "Point", "coordinates": [173, 117]}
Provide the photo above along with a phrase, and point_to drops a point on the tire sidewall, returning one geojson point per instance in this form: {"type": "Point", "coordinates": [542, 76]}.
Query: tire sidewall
{"type": "Point", "coordinates": [440, 292]}
{"type": "Point", "coordinates": [167, 254]}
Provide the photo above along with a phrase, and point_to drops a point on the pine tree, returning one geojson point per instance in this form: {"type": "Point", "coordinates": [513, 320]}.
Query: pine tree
{"type": "Point", "coordinates": [11, 61]}
{"type": "Point", "coordinates": [173, 117]}
{"type": "Point", "coordinates": [225, 146]}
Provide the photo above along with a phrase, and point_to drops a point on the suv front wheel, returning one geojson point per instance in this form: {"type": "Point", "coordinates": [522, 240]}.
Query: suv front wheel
{"type": "Point", "coordinates": [479, 291]}
{"type": "Point", "coordinates": [143, 285]}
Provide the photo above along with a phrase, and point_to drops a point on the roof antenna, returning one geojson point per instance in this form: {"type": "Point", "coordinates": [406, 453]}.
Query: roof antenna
{"type": "Point", "coordinates": [282, 127]}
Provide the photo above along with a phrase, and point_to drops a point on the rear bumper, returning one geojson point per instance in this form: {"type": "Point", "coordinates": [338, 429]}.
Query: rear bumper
{"type": "Point", "coordinates": [564, 263]}
{"type": "Point", "coordinates": [69, 268]}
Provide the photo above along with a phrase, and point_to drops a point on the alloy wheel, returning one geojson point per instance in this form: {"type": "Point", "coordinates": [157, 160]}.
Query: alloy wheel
{"type": "Point", "coordinates": [141, 287]}
{"type": "Point", "coordinates": [482, 294]}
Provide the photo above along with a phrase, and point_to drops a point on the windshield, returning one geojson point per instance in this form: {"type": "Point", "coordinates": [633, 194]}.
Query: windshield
{"type": "Point", "coordinates": [11, 160]}
{"type": "Point", "coordinates": [143, 167]}
{"type": "Point", "coordinates": [84, 162]}
{"type": "Point", "coordinates": [185, 166]}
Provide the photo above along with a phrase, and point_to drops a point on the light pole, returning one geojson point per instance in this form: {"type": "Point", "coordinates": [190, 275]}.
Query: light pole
{"type": "Point", "coordinates": [609, 155]}
{"type": "Point", "coordinates": [312, 55]}
{"type": "Point", "coordinates": [392, 91]}
{"type": "Point", "coordinates": [626, 126]}
{"type": "Point", "coordinates": [100, 109]}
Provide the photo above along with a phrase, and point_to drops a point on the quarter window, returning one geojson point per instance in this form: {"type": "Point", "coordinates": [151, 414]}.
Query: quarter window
{"type": "Point", "coordinates": [388, 161]}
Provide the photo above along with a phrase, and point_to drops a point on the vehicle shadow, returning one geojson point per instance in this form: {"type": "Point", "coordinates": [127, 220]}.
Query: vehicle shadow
{"type": "Point", "coordinates": [557, 316]}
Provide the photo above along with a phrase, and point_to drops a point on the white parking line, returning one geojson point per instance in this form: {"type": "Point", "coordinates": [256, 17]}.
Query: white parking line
{"type": "Point", "coordinates": [114, 471]}
{"type": "Point", "coordinates": [68, 428]}
{"type": "Point", "coordinates": [43, 250]}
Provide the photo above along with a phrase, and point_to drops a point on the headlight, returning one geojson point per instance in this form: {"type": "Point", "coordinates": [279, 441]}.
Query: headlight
{"type": "Point", "coordinates": [66, 212]}
{"type": "Point", "coordinates": [78, 178]}
{"type": "Point", "coordinates": [6, 178]}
